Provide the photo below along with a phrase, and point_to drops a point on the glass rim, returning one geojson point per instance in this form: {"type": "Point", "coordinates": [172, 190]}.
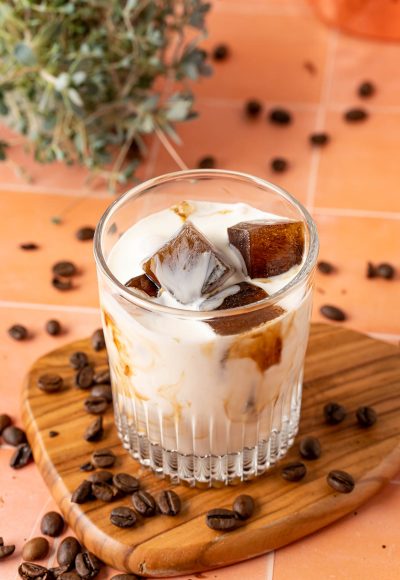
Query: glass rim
{"type": "Point", "coordinates": [148, 304]}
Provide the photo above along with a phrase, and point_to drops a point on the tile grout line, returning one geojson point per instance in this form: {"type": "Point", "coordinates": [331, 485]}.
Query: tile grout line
{"type": "Point", "coordinates": [51, 307]}
{"type": "Point", "coordinates": [270, 565]}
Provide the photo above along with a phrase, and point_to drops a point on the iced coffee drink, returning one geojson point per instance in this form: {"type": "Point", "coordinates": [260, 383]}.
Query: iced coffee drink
{"type": "Point", "coordinates": [206, 304]}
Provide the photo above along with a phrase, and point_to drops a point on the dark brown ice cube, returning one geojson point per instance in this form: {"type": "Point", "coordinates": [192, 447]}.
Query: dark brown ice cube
{"type": "Point", "coordinates": [188, 266]}
{"type": "Point", "coordinates": [143, 284]}
{"type": "Point", "coordinates": [242, 293]}
{"type": "Point", "coordinates": [268, 248]}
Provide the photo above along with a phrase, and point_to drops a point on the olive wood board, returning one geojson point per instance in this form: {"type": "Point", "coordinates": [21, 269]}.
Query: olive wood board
{"type": "Point", "coordinates": [341, 365]}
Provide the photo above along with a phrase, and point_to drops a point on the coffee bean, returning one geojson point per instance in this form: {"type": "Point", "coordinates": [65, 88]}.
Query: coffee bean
{"type": "Point", "coordinates": [169, 503]}
{"type": "Point", "coordinates": [325, 267]}
{"type": "Point", "coordinates": [98, 342]}
{"type": "Point", "coordinates": [87, 466]}
{"type": "Point", "coordinates": [319, 139]}
{"type": "Point", "coordinates": [371, 270]}
{"type": "Point", "coordinates": [310, 448]}
{"type": "Point", "coordinates": [87, 565]}
{"type": "Point", "coordinates": [95, 405]}
{"type": "Point", "coordinates": [253, 108]}
{"type": "Point", "coordinates": [386, 271]}
{"type": "Point", "coordinates": [82, 493]}
{"type": "Point", "coordinates": [78, 360]}
{"type": "Point", "coordinates": [221, 52]}
{"type": "Point", "coordinates": [50, 383]}
{"type": "Point", "coordinates": [35, 549]}
{"type": "Point", "coordinates": [67, 551]}
{"type": "Point", "coordinates": [53, 434]}
{"type": "Point", "coordinates": [94, 431]}
{"type": "Point", "coordinates": [104, 491]}
{"type": "Point", "coordinates": [294, 471]}
{"type": "Point", "coordinates": [101, 476]}
{"type": "Point", "coordinates": [279, 164]}
{"type": "Point", "coordinates": [14, 435]}
{"type": "Point", "coordinates": [30, 571]}
{"type": "Point", "coordinates": [62, 283]}
{"type": "Point", "coordinates": [6, 550]}
{"type": "Point", "coordinates": [123, 517]}
{"type": "Point", "coordinates": [85, 233]}
{"type": "Point", "coordinates": [102, 377]}
{"type": "Point", "coordinates": [29, 246]}
{"type": "Point", "coordinates": [103, 391]}
{"type": "Point", "coordinates": [221, 519]}
{"type": "Point", "coordinates": [144, 503]}
{"type": "Point", "coordinates": [126, 483]}
{"type": "Point", "coordinates": [21, 456]}
{"type": "Point", "coordinates": [64, 269]}
{"type": "Point", "coordinates": [207, 162]}
{"type": "Point", "coordinates": [340, 481]}
{"type": "Point", "coordinates": [84, 377]}
{"type": "Point", "coordinates": [103, 458]}
{"type": "Point", "coordinates": [125, 577]}
{"type": "Point", "coordinates": [333, 313]}
{"type": "Point", "coordinates": [366, 89]}
{"type": "Point", "coordinates": [334, 413]}
{"type": "Point", "coordinates": [52, 524]}
{"type": "Point", "coordinates": [5, 421]}
{"type": "Point", "coordinates": [73, 575]}
{"type": "Point", "coordinates": [62, 573]}
{"type": "Point", "coordinates": [243, 506]}
{"type": "Point", "coordinates": [366, 417]}
{"type": "Point", "coordinates": [355, 115]}
{"type": "Point", "coordinates": [280, 117]}
{"type": "Point", "coordinates": [53, 327]}
{"type": "Point", "coordinates": [18, 332]}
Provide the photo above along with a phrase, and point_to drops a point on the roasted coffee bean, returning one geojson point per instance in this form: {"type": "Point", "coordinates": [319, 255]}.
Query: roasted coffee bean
{"type": "Point", "coordinates": [83, 492]}
{"type": "Point", "coordinates": [53, 327]}
{"type": "Point", "coordinates": [280, 117]}
{"type": "Point", "coordinates": [85, 233]}
{"type": "Point", "coordinates": [123, 517]}
{"type": "Point", "coordinates": [52, 524]}
{"type": "Point", "coordinates": [64, 269]}
{"type": "Point", "coordinates": [325, 267]}
{"type": "Point", "coordinates": [18, 332]}
{"type": "Point", "coordinates": [253, 108]}
{"type": "Point", "coordinates": [101, 476]}
{"type": "Point", "coordinates": [334, 413]}
{"type": "Point", "coordinates": [103, 458]}
{"type": "Point", "coordinates": [355, 115]}
{"type": "Point", "coordinates": [94, 431]}
{"type": "Point", "coordinates": [333, 313]}
{"type": "Point", "coordinates": [371, 270]}
{"type": "Point", "coordinates": [14, 435]}
{"type": "Point", "coordinates": [72, 575]}
{"type": "Point", "coordinates": [104, 491]}
{"type": "Point", "coordinates": [5, 421]}
{"type": "Point", "coordinates": [61, 572]}
{"type": "Point", "coordinates": [53, 434]}
{"type": "Point", "coordinates": [126, 483]}
{"type": "Point", "coordinates": [84, 377]}
{"type": "Point", "coordinates": [366, 417]}
{"type": "Point", "coordinates": [21, 456]}
{"type": "Point", "coordinates": [87, 466]}
{"type": "Point", "coordinates": [95, 405]}
{"type": "Point", "coordinates": [294, 471]}
{"type": "Point", "coordinates": [98, 342]}
{"type": "Point", "coordinates": [30, 571]}
{"type": "Point", "coordinates": [279, 164]}
{"type": "Point", "coordinates": [29, 246]}
{"type": "Point", "coordinates": [243, 506]}
{"type": "Point", "coordinates": [68, 551]}
{"type": "Point", "coordinates": [144, 503]}
{"type": "Point", "coordinates": [102, 377]}
{"type": "Point", "coordinates": [310, 448]}
{"type": "Point", "coordinates": [87, 565]}
{"type": "Point", "coordinates": [366, 89]}
{"type": "Point", "coordinates": [6, 550]}
{"type": "Point", "coordinates": [221, 52]}
{"type": "Point", "coordinates": [103, 391]}
{"type": "Point", "coordinates": [386, 271]}
{"type": "Point", "coordinates": [207, 162]}
{"type": "Point", "coordinates": [35, 549]}
{"type": "Point", "coordinates": [169, 503]}
{"type": "Point", "coordinates": [319, 139]}
{"type": "Point", "coordinates": [50, 383]}
{"type": "Point", "coordinates": [78, 360]}
{"type": "Point", "coordinates": [221, 519]}
{"type": "Point", "coordinates": [340, 481]}
{"type": "Point", "coordinates": [62, 283]}
{"type": "Point", "coordinates": [125, 577]}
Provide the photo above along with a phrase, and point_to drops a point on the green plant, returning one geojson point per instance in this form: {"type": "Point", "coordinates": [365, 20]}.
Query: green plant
{"type": "Point", "coordinates": [84, 79]}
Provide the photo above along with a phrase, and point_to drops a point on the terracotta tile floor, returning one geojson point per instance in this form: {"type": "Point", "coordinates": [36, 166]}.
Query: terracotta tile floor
{"type": "Point", "coordinates": [351, 186]}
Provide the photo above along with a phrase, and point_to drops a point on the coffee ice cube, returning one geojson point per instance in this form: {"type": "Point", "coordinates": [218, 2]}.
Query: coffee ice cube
{"type": "Point", "coordinates": [187, 266]}
{"type": "Point", "coordinates": [143, 284]}
{"type": "Point", "coordinates": [268, 248]}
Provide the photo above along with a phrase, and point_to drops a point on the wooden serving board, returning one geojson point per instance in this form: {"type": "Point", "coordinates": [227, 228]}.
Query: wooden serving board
{"type": "Point", "coordinates": [342, 365]}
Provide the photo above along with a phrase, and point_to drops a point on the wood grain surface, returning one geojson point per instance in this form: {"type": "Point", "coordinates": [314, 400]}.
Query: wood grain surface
{"type": "Point", "coordinates": [342, 365]}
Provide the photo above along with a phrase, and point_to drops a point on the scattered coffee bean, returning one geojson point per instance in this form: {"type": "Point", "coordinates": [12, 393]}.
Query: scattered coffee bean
{"type": "Point", "coordinates": [310, 448]}
{"type": "Point", "coordinates": [85, 233]}
{"type": "Point", "coordinates": [123, 517]}
{"type": "Point", "coordinates": [243, 507]}
{"type": "Point", "coordinates": [279, 164]}
{"type": "Point", "coordinates": [280, 117]}
{"type": "Point", "coordinates": [294, 471]}
{"type": "Point", "coordinates": [78, 360]}
{"type": "Point", "coordinates": [94, 431]}
{"type": "Point", "coordinates": [50, 383]}
{"type": "Point", "coordinates": [366, 89]}
{"type": "Point", "coordinates": [30, 571]}
{"type": "Point", "coordinates": [333, 313]}
{"type": "Point", "coordinates": [221, 519]}
{"type": "Point", "coordinates": [126, 483]}
{"type": "Point", "coordinates": [6, 550]}
{"type": "Point", "coordinates": [103, 458]}
{"type": "Point", "coordinates": [169, 503]}
{"type": "Point", "coordinates": [221, 52]}
{"type": "Point", "coordinates": [5, 421]}
{"type": "Point", "coordinates": [319, 139]}
{"type": "Point", "coordinates": [366, 417]}
{"type": "Point", "coordinates": [64, 269]}
{"type": "Point", "coordinates": [21, 456]}
{"type": "Point", "coordinates": [325, 267]}
{"type": "Point", "coordinates": [87, 565]}
{"type": "Point", "coordinates": [62, 573]}
{"type": "Point", "coordinates": [53, 434]}
{"type": "Point", "coordinates": [104, 491]}
{"type": "Point", "coordinates": [253, 108]}
{"type": "Point", "coordinates": [82, 493]}
{"type": "Point", "coordinates": [207, 162]}
{"type": "Point", "coordinates": [18, 332]}
{"type": "Point", "coordinates": [35, 549]}
{"type": "Point", "coordinates": [340, 481]}
{"type": "Point", "coordinates": [73, 575]}
{"type": "Point", "coordinates": [29, 246]}
{"type": "Point", "coordinates": [68, 551]}
{"type": "Point", "coordinates": [334, 413]}
{"type": "Point", "coordinates": [355, 115]}
{"type": "Point", "coordinates": [125, 577]}
{"type": "Point", "coordinates": [98, 342]}
{"type": "Point", "coordinates": [102, 377]}
{"type": "Point", "coordinates": [86, 467]}
{"type": "Point", "coordinates": [103, 391]}
{"type": "Point", "coordinates": [14, 435]}
{"type": "Point", "coordinates": [102, 475]}
{"type": "Point", "coordinates": [62, 283]}
{"type": "Point", "coordinates": [84, 377]}
{"type": "Point", "coordinates": [95, 405]}
{"type": "Point", "coordinates": [386, 271]}
{"type": "Point", "coordinates": [144, 503]}
{"type": "Point", "coordinates": [52, 524]}
{"type": "Point", "coordinates": [53, 327]}
{"type": "Point", "coordinates": [371, 270]}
